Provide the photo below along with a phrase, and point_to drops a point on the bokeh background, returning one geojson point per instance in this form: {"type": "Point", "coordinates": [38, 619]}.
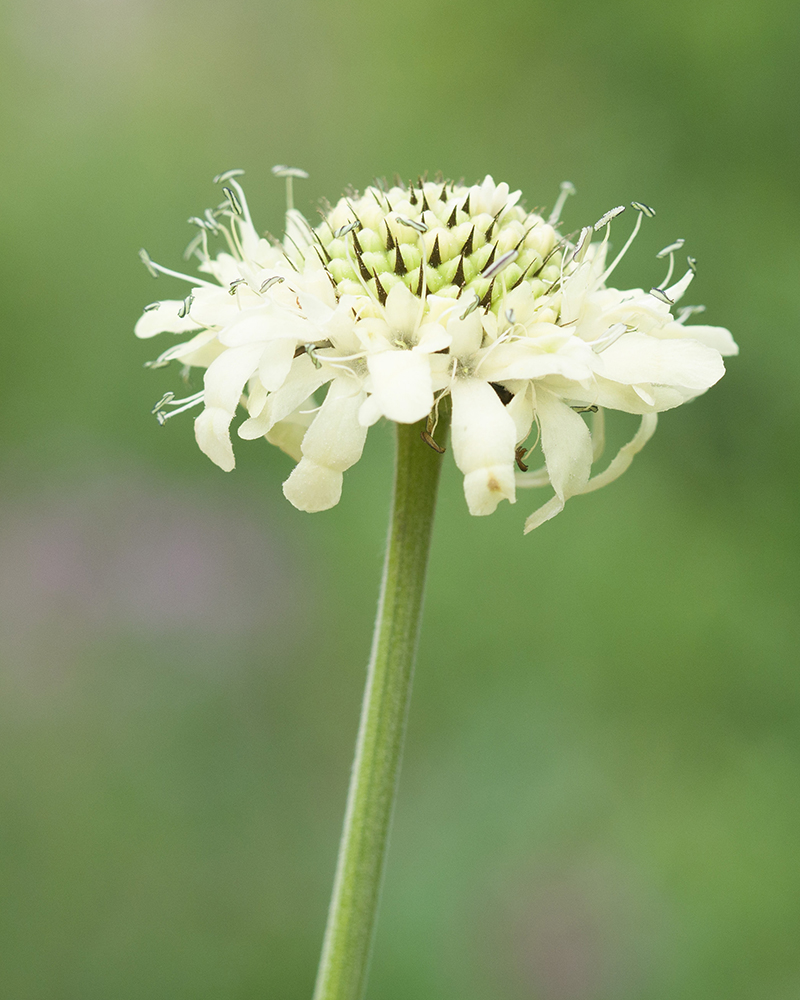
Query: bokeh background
{"type": "Point", "coordinates": [600, 792]}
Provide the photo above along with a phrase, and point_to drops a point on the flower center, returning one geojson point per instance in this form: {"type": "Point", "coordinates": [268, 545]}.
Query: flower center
{"type": "Point", "coordinates": [441, 238]}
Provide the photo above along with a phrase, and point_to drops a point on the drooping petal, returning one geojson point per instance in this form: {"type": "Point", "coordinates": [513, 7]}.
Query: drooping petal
{"type": "Point", "coordinates": [312, 487]}
{"type": "Point", "coordinates": [401, 384]}
{"type": "Point", "coordinates": [212, 433]}
{"type": "Point", "coordinates": [225, 378]}
{"type": "Point", "coordinates": [483, 435]}
{"type": "Point", "coordinates": [712, 336]}
{"type": "Point", "coordinates": [303, 380]}
{"type": "Point", "coordinates": [622, 460]}
{"type": "Point", "coordinates": [566, 443]}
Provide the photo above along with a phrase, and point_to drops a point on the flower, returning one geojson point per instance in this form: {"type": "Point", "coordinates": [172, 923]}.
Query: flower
{"type": "Point", "coordinates": [405, 296]}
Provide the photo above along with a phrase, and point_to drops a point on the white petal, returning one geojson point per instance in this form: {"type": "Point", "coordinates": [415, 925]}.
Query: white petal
{"type": "Point", "coordinates": [288, 434]}
{"type": "Point", "coordinates": [313, 487]}
{"type": "Point", "coordinates": [276, 360]}
{"type": "Point", "coordinates": [225, 378]}
{"type": "Point", "coordinates": [467, 333]}
{"type": "Point", "coordinates": [521, 411]}
{"type": "Point", "coordinates": [402, 384]}
{"type": "Point", "coordinates": [483, 435]}
{"type": "Point", "coordinates": [211, 431]}
{"type": "Point", "coordinates": [402, 310]}
{"type": "Point", "coordinates": [433, 337]}
{"type": "Point", "coordinates": [622, 460]}
{"type": "Point", "coordinates": [637, 358]}
{"type": "Point", "coordinates": [336, 439]}
{"type": "Point", "coordinates": [714, 336]}
{"type": "Point", "coordinates": [553, 506]}
{"type": "Point", "coordinates": [566, 443]}
{"type": "Point", "coordinates": [165, 319]}
{"type": "Point", "coordinates": [303, 380]}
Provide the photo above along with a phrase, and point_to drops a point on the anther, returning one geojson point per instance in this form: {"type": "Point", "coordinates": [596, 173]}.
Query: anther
{"type": "Point", "coordinates": [510, 315]}
{"type": "Point", "coordinates": [144, 257]}
{"type": "Point", "coordinates": [584, 241]}
{"type": "Point", "coordinates": [151, 307]}
{"type": "Point", "coordinates": [276, 279]}
{"type": "Point", "coordinates": [471, 307]}
{"type": "Point", "coordinates": [226, 176]}
{"type": "Point", "coordinates": [519, 456]}
{"type": "Point", "coordinates": [311, 351]}
{"type": "Point", "coordinates": [165, 400]}
{"type": "Point", "coordinates": [344, 230]}
{"type": "Point", "coordinates": [640, 206]}
{"type": "Point", "coordinates": [662, 296]}
{"type": "Point", "coordinates": [233, 199]}
{"type": "Point", "coordinates": [232, 288]}
{"type": "Point", "coordinates": [426, 437]}
{"type": "Point", "coordinates": [412, 224]}
{"type": "Point", "coordinates": [692, 262]}
{"type": "Point", "coordinates": [186, 306]}
{"type": "Point", "coordinates": [670, 249]}
{"type": "Point", "coordinates": [280, 170]}
{"type": "Point", "coordinates": [499, 264]}
{"type": "Point", "coordinates": [611, 214]}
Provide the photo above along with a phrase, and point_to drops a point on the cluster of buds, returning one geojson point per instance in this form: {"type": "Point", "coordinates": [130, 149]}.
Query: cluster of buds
{"type": "Point", "coordinates": [405, 295]}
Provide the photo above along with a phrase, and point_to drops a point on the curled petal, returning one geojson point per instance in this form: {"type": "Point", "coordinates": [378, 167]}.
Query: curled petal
{"type": "Point", "coordinates": [212, 433]}
{"type": "Point", "coordinates": [225, 377]}
{"type": "Point", "coordinates": [566, 443]}
{"type": "Point", "coordinates": [684, 363]}
{"type": "Point", "coordinates": [165, 319]}
{"type": "Point", "coordinates": [312, 487]}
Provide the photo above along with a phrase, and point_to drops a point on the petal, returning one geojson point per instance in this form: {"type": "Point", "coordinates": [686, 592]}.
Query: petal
{"type": "Point", "coordinates": [566, 443]}
{"type": "Point", "coordinates": [275, 363]}
{"type": "Point", "coordinates": [336, 438]}
{"type": "Point", "coordinates": [165, 319]}
{"type": "Point", "coordinates": [467, 334]}
{"type": "Point", "coordinates": [683, 363]}
{"type": "Point", "coordinates": [313, 487]}
{"type": "Point", "coordinates": [401, 384]}
{"type": "Point", "coordinates": [553, 506]}
{"type": "Point", "coordinates": [212, 433]}
{"type": "Point", "coordinates": [303, 380]}
{"type": "Point", "coordinates": [402, 310]}
{"type": "Point", "coordinates": [483, 435]}
{"type": "Point", "coordinates": [520, 409]}
{"type": "Point", "coordinates": [225, 378]}
{"type": "Point", "coordinates": [713, 336]}
{"type": "Point", "coordinates": [288, 434]}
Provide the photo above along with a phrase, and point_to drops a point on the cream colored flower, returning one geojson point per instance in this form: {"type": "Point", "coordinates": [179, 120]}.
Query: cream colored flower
{"type": "Point", "coordinates": [407, 296]}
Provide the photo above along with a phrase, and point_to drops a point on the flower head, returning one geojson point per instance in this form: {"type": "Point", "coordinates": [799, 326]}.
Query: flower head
{"type": "Point", "coordinates": [405, 296]}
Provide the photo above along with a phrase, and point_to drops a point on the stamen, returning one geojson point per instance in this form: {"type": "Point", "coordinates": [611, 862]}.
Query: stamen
{"type": "Point", "coordinates": [156, 269]}
{"type": "Point", "coordinates": [151, 307]}
{"type": "Point", "coordinates": [670, 249]}
{"type": "Point", "coordinates": [289, 173]}
{"type": "Point", "coordinates": [344, 230]}
{"type": "Point", "coordinates": [644, 209]}
{"type": "Point", "coordinates": [500, 263]}
{"type": "Point", "coordinates": [583, 244]}
{"type": "Point", "coordinates": [226, 175]}
{"type": "Point", "coordinates": [686, 311]}
{"type": "Point", "coordinates": [510, 315]}
{"type": "Point", "coordinates": [611, 336]}
{"type": "Point", "coordinates": [610, 214]}
{"type": "Point", "coordinates": [311, 351]}
{"type": "Point", "coordinates": [233, 199]}
{"type": "Point", "coordinates": [168, 399]}
{"type": "Point", "coordinates": [661, 295]}
{"type": "Point", "coordinates": [566, 190]}
{"type": "Point", "coordinates": [412, 224]}
{"type": "Point", "coordinates": [187, 305]}
{"type": "Point", "coordinates": [276, 279]}
{"type": "Point", "coordinates": [692, 262]}
{"type": "Point", "coordinates": [471, 307]}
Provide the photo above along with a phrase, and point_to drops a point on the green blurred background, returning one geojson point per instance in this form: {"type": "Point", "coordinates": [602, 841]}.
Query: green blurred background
{"type": "Point", "coordinates": [600, 792]}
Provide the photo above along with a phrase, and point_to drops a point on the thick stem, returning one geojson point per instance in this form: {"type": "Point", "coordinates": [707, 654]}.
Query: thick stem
{"type": "Point", "coordinates": [351, 919]}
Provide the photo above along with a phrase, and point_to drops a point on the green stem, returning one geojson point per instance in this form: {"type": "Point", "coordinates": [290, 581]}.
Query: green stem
{"type": "Point", "coordinates": [351, 919]}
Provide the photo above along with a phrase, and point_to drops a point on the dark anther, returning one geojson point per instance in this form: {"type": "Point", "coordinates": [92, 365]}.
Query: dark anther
{"type": "Point", "coordinates": [365, 273]}
{"type": "Point", "coordinates": [466, 250]}
{"type": "Point", "coordinates": [502, 392]}
{"type": "Point", "coordinates": [458, 277]}
{"type": "Point", "coordinates": [399, 263]}
{"type": "Point", "coordinates": [436, 257]}
{"type": "Point", "coordinates": [426, 437]}
{"type": "Point", "coordinates": [380, 289]}
{"type": "Point", "coordinates": [453, 217]}
{"type": "Point", "coordinates": [585, 409]}
{"type": "Point", "coordinates": [390, 244]}
{"type": "Point", "coordinates": [519, 458]}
